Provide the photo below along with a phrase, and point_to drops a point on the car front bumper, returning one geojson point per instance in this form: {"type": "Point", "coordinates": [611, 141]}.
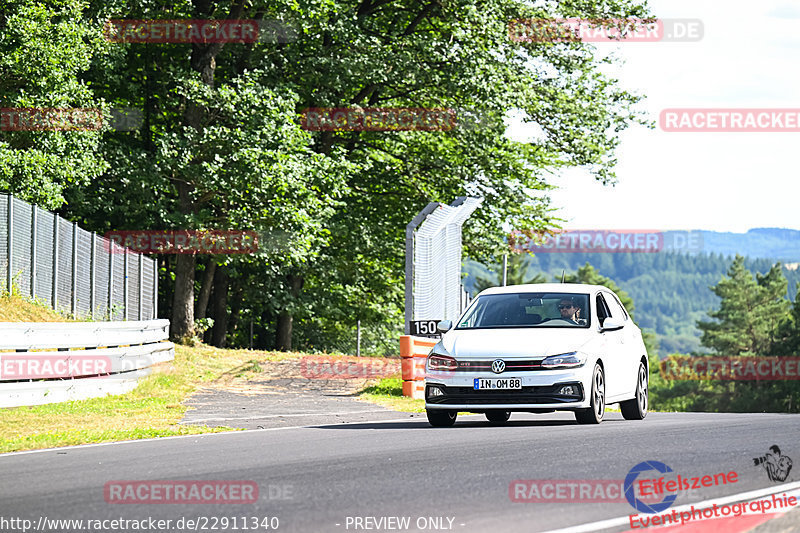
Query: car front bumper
{"type": "Point", "coordinates": [540, 391]}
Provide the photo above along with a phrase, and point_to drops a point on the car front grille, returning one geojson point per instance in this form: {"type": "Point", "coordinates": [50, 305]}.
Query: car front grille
{"type": "Point", "coordinates": [544, 394]}
{"type": "Point", "coordinates": [511, 366]}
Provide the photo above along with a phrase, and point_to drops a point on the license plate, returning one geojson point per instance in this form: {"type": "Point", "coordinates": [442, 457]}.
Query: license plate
{"type": "Point", "coordinates": [497, 383]}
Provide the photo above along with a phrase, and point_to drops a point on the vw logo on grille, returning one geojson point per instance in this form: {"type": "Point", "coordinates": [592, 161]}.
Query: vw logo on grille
{"type": "Point", "coordinates": [498, 365]}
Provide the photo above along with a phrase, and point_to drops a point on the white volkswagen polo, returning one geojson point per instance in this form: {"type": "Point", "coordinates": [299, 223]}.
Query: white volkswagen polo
{"type": "Point", "coordinates": [538, 348]}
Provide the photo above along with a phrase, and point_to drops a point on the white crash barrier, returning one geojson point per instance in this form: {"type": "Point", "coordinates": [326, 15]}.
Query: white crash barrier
{"type": "Point", "coordinates": [56, 362]}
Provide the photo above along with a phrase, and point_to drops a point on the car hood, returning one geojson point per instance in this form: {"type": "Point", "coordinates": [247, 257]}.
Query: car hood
{"type": "Point", "coordinates": [514, 342]}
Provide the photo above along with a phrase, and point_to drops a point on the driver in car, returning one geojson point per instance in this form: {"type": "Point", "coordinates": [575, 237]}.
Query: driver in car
{"type": "Point", "coordinates": [569, 311]}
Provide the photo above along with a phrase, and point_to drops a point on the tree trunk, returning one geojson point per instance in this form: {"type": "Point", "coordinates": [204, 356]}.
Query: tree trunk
{"type": "Point", "coordinates": [203, 61]}
{"type": "Point", "coordinates": [284, 334]}
{"type": "Point", "coordinates": [263, 337]}
{"type": "Point", "coordinates": [205, 289]}
{"type": "Point", "coordinates": [236, 306]}
{"type": "Point", "coordinates": [183, 298]}
{"type": "Point", "coordinates": [220, 308]}
{"type": "Point", "coordinates": [285, 319]}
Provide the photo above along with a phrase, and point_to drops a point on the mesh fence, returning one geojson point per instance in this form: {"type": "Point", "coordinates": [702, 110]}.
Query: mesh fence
{"type": "Point", "coordinates": [118, 290]}
{"type": "Point", "coordinates": [101, 277]}
{"type": "Point", "coordinates": [52, 260]}
{"type": "Point", "coordinates": [438, 294]}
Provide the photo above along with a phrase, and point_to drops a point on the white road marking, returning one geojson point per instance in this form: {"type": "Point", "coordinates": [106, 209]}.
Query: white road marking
{"type": "Point", "coordinates": [283, 415]}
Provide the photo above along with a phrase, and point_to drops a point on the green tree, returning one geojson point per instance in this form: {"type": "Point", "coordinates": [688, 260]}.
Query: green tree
{"type": "Point", "coordinates": [516, 273]}
{"type": "Point", "coordinates": [750, 312]}
{"type": "Point", "coordinates": [753, 318]}
{"type": "Point", "coordinates": [221, 147]}
{"type": "Point", "coordinates": [44, 49]}
{"type": "Point", "coordinates": [587, 274]}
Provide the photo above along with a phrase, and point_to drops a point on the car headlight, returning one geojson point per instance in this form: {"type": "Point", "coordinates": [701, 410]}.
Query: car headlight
{"type": "Point", "coordinates": [565, 360]}
{"type": "Point", "coordinates": [441, 363]}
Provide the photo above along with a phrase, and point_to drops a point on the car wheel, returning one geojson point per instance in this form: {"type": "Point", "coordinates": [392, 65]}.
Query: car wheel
{"type": "Point", "coordinates": [498, 417]}
{"type": "Point", "coordinates": [594, 414]}
{"type": "Point", "coordinates": [636, 408]}
{"type": "Point", "coordinates": [440, 418]}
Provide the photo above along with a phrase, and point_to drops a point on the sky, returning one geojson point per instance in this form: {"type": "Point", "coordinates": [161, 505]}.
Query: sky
{"type": "Point", "coordinates": [747, 58]}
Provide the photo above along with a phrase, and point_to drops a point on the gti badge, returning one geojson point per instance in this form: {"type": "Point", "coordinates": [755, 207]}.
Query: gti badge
{"type": "Point", "coordinates": [498, 365]}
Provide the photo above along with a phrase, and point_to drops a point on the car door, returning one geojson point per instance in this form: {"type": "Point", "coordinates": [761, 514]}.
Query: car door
{"type": "Point", "coordinates": [615, 361]}
{"type": "Point", "coordinates": [631, 345]}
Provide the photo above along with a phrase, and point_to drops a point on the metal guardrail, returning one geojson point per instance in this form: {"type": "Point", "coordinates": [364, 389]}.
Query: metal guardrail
{"type": "Point", "coordinates": [55, 362]}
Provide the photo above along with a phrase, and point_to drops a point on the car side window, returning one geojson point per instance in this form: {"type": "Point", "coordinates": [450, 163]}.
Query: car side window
{"type": "Point", "coordinates": [602, 309]}
{"type": "Point", "coordinates": [621, 307]}
{"type": "Point", "coordinates": [616, 308]}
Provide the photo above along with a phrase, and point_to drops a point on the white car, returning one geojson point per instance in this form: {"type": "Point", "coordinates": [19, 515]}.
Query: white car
{"type": "Point", "coordinates": [538, 348]}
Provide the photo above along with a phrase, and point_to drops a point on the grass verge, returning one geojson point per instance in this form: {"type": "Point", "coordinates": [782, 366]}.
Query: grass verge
{"type": "Point", "coordinates": [388, 392]}
{"type": "Point", "coordinates": [15, 308]}
{"type": "Point", "coordinates": [153, 409]}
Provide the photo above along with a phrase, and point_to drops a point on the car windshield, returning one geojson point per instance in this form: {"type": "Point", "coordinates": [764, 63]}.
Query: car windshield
{"type": "Point", "coordinates": [528, 310]}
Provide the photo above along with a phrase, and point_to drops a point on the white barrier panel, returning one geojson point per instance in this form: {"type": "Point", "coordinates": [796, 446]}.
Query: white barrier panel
{"type": "Point", "coordinates": [55, 362]}
{"type": "Point", "coordinates": [42, 335]}
{"type": "Point", "coordinates": [67, 390]}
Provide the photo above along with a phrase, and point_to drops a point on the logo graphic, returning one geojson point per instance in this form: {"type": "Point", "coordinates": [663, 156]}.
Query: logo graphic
{"type": "Point", "coordinates": [777, 466]}
{"type": "Point", "coordinates": [498, 366]}
{"type": "Point", "coordinates": [638, 504]}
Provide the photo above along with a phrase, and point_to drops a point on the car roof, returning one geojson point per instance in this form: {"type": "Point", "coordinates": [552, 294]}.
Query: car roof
{"type": "Point", "coordinates": [570, 288]}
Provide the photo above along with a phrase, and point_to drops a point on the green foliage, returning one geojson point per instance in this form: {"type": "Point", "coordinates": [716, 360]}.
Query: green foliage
{"type": "Point", "coordinates": [44, 48]}
{"type": "Point", "coordinates": [754, 319]}
{"type": "Point", "coordinates": [750, 311]}
{"type": "Point", "coordinates": [386, 386]}
{"type": "Point", "coordinates": [516, 274]}
{"type": "Point", "coordinates": [221, 145]}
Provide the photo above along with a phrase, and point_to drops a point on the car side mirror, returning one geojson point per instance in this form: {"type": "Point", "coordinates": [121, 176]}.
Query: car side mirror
{"type": "Point", "coordinates": [610, 324]}
{"type": "Point", "coordinates": [444, 326]}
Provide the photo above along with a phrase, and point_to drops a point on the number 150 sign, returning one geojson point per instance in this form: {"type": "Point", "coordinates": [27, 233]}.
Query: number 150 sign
{"type": "Point", "coordinates": [425, 328]}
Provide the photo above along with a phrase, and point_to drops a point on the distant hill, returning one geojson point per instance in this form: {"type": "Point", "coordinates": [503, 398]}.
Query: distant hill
{"type": "Point", "coordinates": [670, 289]}
{"type": "Point", "coordinates": [771, 243]}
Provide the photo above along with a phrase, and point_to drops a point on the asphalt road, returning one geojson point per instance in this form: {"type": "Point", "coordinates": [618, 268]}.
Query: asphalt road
{"type": "Point", "coordinates": [313, 478]}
